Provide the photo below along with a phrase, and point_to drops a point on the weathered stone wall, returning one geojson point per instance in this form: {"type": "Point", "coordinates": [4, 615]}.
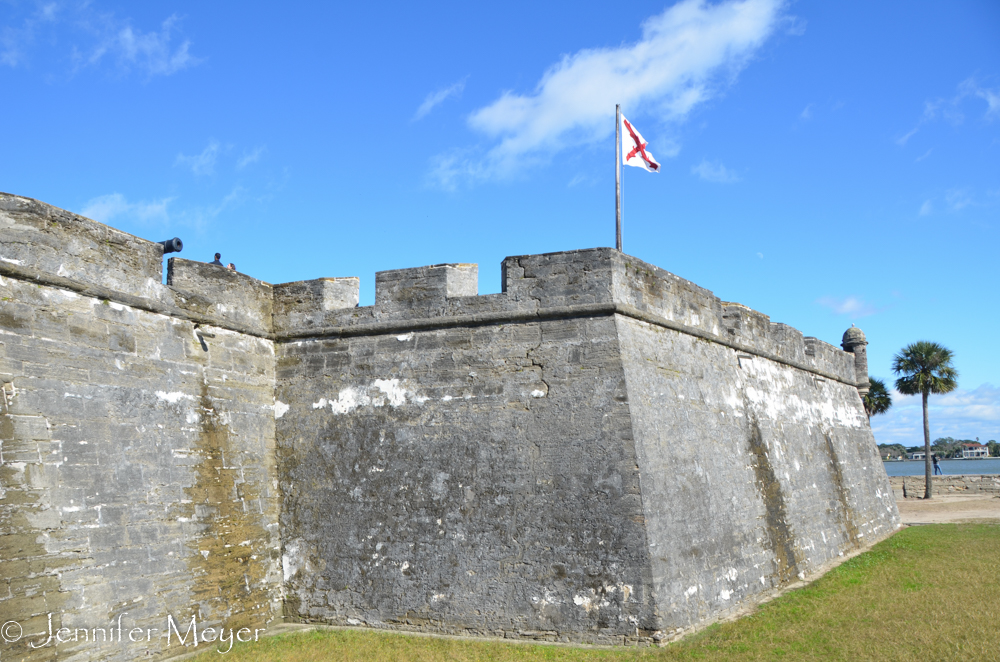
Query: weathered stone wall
{"type": "Point", "coordinates": [912, 487]}
{"type": "Point", "coordinates": [754, 473]}
{"type": "Point", "coordinates": [473, 479]}
{"type": "Point", "coordinates": [602, 452]}
{"type": "Point", "coordinates": [137, 455]}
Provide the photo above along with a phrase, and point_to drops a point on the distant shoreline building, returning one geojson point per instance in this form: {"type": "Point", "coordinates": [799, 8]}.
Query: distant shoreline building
{"type": "Point", "coordinates": [972, 450]}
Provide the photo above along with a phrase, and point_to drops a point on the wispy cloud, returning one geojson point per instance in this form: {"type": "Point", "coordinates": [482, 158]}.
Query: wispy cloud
{"type": "Point", "coordinates": [806, 112]}
{"type": "Point", "coordinates": [905, 138]}
{"type": "Point", "coordinates": [201, 164]}
{"type": "Point", "coordinates": [151, 53]}
{"type": "Point", "coordinates": [953, 110]}
{"type": "Point", "coordinates": [251, 156]}
{"type": "Point", "coordinates": [89, 38]}
{"type": "Point", "coordinates": [161, 213]}
{"type": "Point", "coordinates": [200, 216]}
{"type": "Point", "coordinates": [17, 39]}
{"type": "Point", "coordinates": [954, 200]}
{"type": "Point", "coordinates": [686, 56]}
{"type": "Point", "coordinates": [958, 198]}
{"type": "Point", "coordinates": [992, 98]}
{"type": "Point", "coordinates": [581, 179]}
{"type": "Point", "coordinates": [715, 172]}
{"type": "Point", "coordinates": [854, 306]}
{"type": "Point", "coordinates": [962, 414]}
{"type": "Point", "coordinates": [435, 99]}
{"type": "Point", "coordinates": [106, 208]}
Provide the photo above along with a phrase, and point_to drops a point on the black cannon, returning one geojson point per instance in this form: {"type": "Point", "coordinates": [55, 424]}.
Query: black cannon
{"type": "Point", "coordinates": [174, 245]}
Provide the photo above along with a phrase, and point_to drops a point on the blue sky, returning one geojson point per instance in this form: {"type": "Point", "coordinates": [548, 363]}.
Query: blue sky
{"type": "Point", "coordinates": [824, 163]}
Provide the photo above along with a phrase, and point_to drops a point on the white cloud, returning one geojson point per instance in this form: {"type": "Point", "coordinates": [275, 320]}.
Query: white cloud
{"type": "Point", "coordinates": [105, 208]}
{"type": "Point", "coordinates": [436, 98]}
{"type": "Point", "coordinates": [201, 164]}
{"type": "Point", "coordinates": [958, 198]}
{"type": "Point", "coordinates": [715, 172]}
{"type": "Point", "coordinates": [250, 157]}
{"type": "Point", "coordinates": [902, 140]}
{"type": "Point", "coordinates": [685, 57]}
{"type": "Point", "coordinates": [91, 38]}
{"type": "Point", "coordinates": [955, 200]}
{"type": "Point", "coordinates": [854, 306]}
{"type": "Point", "coordinates": [795, 26]}
{"type": "Point", "coordinates": [11, 46]}
{"type": "Point", "coordinates": [199, 217]}
{"type": "Point", "coordinates": [951, 110]}
{"type": "Point", "coordinates": [581, 179]}
{"type": "Point", "coordinates": [992, 98]}
{"type": "Point", "coordinates": [149, 52]}
{"type": "Point", "coordinates": [16, 41]}
{"type": "Point", "coordinates": [962, 414]}
{"type": "Point", "coordinates": [806, 112]}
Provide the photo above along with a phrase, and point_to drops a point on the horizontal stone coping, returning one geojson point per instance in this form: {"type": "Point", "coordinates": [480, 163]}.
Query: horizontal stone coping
{"type": "Point", "coordinates": [19, 272]}
{"type": "Point", "coordinates": [23, 273]}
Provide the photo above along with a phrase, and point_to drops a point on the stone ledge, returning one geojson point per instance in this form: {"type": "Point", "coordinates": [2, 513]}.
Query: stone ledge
{"type": "Point", "coordinates": [912, 487]}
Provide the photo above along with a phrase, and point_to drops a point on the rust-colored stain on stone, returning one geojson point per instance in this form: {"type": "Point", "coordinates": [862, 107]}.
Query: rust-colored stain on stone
{"type": "Point", "coordinates": [775, 513]}
{"type": "Point", "coordinates": [229, 559]}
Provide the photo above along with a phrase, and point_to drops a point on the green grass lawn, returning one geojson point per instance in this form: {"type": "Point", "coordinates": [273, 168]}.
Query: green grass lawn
{"type": "Point", "coordinates": [927, 593]}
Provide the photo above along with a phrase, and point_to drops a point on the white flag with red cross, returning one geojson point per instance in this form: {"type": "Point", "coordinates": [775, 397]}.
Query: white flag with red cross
{"type": "Point", "coordinates": [634, 152]}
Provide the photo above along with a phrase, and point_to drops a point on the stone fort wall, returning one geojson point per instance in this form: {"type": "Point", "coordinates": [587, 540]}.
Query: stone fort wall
{"type": "Point", "coordinates": [138, 449]}
{"type": "Point", "coordinates": [601, 452]}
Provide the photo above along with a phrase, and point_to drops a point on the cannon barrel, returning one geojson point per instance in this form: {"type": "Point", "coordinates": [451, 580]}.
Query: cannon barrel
{"type": "Point", "coordinates": [174, 245]}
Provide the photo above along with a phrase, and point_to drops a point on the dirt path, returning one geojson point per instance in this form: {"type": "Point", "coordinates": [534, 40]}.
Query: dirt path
{"type": "Point", "coordinates": [943, 509]}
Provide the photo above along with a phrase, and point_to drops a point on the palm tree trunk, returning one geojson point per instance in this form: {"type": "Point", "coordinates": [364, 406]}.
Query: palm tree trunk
{"type": "Point", "coordinates": [928, 491]}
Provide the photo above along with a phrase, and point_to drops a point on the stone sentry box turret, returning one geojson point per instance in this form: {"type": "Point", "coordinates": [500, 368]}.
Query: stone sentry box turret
{"type": "Point", "coordinates": [600, 452]}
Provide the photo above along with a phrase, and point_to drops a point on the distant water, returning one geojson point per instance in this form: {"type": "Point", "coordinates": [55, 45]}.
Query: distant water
{"type": "Point", "coordinates": [948, 467]}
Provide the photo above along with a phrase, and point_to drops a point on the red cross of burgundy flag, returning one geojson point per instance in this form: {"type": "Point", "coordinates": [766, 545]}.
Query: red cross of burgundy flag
{"type": "Point", "coordinates": [634, 152]}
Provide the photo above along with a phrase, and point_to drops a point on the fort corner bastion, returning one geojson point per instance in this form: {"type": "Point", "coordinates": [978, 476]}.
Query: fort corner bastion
{"type": "Point", "coordinates": [602, 452]}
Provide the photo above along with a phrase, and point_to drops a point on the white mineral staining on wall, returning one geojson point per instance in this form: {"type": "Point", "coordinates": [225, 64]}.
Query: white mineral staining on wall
{"type": "Point", "coordinates": [173, 397]}
{"type": "Point", "coordinates": [292, 559]}
{"type": "Point", "coordinates": [392, 390]}
{"type": "Point", "coordinates": [381, 392]}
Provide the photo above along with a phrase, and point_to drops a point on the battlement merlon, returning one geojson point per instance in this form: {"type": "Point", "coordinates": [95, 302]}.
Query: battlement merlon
{"type": "Point", "coordinates": [45, 244]}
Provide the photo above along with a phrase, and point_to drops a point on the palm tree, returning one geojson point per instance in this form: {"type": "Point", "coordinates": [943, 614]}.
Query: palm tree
{"type": "Point", "coordinates": [877, 400]}
{"type": "Point", "coordinates": [925, 368]}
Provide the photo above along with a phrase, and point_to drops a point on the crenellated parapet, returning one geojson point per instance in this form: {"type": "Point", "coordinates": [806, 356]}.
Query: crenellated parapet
{"type": "Point", "coordinates": [599, 281]}
{"type": "Point", "coordinates": [42, 242]}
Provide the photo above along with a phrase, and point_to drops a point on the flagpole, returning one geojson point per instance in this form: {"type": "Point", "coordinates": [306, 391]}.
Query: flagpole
{"type": "Point", "coordinates": [618, 177]}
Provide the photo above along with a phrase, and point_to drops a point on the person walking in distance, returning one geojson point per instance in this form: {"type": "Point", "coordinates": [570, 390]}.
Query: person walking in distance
{"type": "Point", "coordinates": [937, 467]}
